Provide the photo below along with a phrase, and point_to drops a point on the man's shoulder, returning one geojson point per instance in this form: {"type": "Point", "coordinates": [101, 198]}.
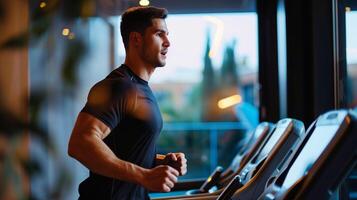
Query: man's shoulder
{"type": "Point", "coordinates": [112, 88]}
{"type": "Point", "coordinates": [116, 81]}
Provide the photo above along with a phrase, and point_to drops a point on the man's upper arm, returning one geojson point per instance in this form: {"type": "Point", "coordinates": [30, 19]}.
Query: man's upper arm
{"type": "Point", "coordinates": [88, 125]}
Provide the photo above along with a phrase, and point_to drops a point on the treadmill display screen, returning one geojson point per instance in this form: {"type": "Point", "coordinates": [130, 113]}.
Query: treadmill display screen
{"type": "Point", "coordinates": [271, 142]}
{"type": "Point", "coordinates": [313, 148]}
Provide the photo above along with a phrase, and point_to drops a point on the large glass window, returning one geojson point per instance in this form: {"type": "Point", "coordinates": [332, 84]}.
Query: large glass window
{"type": "Point", "coordinates": [212, 57]}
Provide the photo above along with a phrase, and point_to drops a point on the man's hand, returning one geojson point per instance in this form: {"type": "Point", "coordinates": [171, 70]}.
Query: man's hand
{"type": "Point", "coordinates": [177, 161]}
{"type": "Point", "coordinates": [160, 179]}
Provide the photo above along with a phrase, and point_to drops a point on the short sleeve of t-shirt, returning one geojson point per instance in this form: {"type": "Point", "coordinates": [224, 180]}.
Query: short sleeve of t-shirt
{"type": "Point", "coordinates": [110, 101]}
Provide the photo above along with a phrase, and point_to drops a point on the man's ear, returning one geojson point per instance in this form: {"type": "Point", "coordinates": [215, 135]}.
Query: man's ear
{"type": "Point", "coordinates": [135, 38]}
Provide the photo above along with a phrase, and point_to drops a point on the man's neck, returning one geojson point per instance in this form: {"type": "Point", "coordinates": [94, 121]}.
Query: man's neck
{"type": "Point", "coordinates": [139, 68]}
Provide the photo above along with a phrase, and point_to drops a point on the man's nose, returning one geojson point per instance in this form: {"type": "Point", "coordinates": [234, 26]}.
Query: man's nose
{"type": "Point", "coordinates": [166, 42]}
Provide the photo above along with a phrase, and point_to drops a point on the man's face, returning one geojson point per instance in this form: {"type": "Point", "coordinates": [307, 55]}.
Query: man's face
{"type": "Point", "coordinates": [155, 44]}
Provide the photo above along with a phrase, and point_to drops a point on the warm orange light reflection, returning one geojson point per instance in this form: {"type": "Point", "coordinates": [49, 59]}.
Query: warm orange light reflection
{"type": "Point", "coordinates": [229, 101]}
{"type": "Point", "coordinates": [65, 32]}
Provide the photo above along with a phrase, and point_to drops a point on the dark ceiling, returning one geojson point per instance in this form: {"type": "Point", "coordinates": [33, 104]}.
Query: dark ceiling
{"type": "Point", "coordinates": [115, 7]}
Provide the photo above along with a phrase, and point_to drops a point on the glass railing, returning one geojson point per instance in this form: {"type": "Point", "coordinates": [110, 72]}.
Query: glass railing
{"type": "Point", "coordinates": [205, 144]}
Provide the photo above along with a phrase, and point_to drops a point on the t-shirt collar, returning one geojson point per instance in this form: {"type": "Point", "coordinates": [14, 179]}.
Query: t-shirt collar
{"type": "Point", "coordinates": [136, 77]}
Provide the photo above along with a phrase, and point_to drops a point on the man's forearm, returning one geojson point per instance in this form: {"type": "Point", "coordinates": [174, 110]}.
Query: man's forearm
{"type": "Point", "coordinates": [92, 152]}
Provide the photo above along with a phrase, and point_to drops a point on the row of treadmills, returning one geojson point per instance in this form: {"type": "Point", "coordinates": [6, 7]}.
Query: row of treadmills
{"type": "Point", "coordinates": [283, 161]}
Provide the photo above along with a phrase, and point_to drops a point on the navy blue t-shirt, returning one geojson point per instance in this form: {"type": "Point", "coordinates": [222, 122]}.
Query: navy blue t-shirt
{"type": "Point", "coordinates": [126, 104]}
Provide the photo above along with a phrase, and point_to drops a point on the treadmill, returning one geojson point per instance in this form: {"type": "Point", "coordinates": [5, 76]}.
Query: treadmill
{"type": "Point", "coordinates": [247, 182]}
{"type": "Point", "coordinates": [321, 163]}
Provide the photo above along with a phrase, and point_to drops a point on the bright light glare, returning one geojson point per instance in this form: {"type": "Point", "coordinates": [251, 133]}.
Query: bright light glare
{"type": "Point", "coordinates": [144, 2]}
{"type": "Point", "coordinates": [65, 32]}
{"type": "Point", "coordinates": [42, 4]}
{"type": "Point", "coordinates": [229, 101]}
{"type": "Point", "coordinates": [218, 36]}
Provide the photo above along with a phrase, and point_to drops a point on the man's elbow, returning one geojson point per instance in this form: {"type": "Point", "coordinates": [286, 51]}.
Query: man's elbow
{"type": "Point", "coordinates": [72, 149]}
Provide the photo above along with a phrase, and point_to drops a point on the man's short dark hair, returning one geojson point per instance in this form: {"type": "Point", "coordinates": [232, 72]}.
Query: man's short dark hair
{"type": "Point", "coordinates": [138, 19]}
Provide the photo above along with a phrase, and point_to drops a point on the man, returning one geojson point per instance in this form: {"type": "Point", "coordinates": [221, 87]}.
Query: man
{"type": "Point", "coordinates": [116, 131]}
